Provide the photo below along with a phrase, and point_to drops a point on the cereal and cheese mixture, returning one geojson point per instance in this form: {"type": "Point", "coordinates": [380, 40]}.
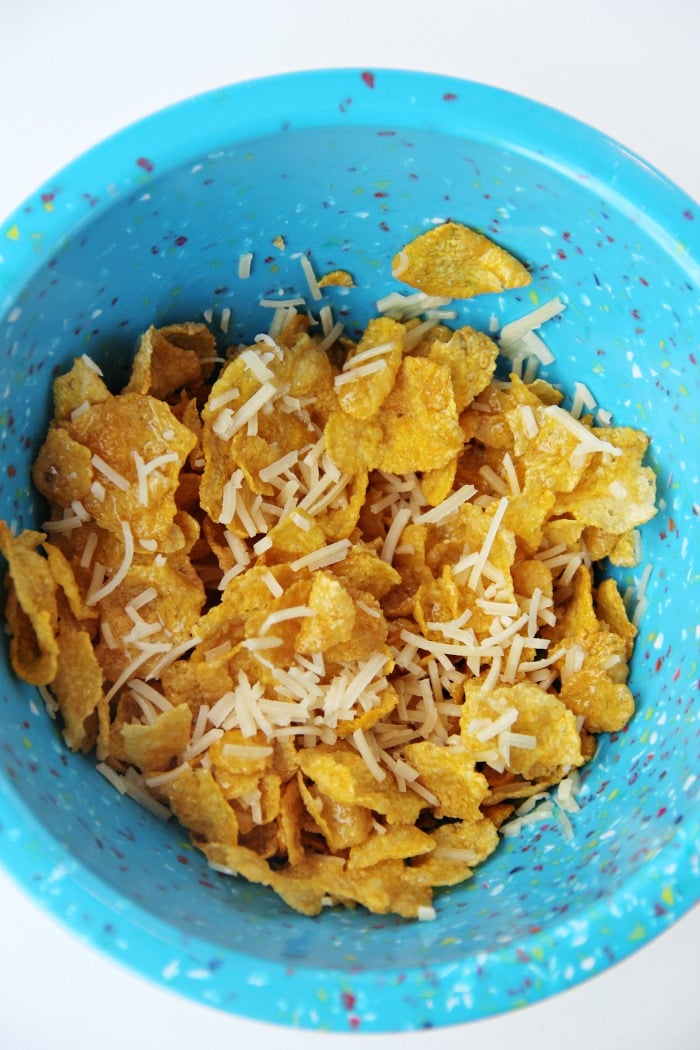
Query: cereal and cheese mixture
{"type": "Point", "coordinates": [332, 603]}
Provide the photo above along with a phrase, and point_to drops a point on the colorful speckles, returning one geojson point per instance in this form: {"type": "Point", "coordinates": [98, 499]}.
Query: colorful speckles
{"type": "Point", "coordinates": [13, 233]}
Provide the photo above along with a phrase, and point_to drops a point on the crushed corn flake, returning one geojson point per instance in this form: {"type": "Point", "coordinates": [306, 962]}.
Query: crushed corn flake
{"type": "Point", "coordinates": [337, 613]}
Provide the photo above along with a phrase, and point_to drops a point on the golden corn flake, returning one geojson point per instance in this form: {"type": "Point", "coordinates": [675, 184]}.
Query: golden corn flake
{"type": "Point", "coordinates": [336, 607]}
{"type": "Point", "coordinates": [31, 608]}
{"type": "Point", "coordinates": [77, 687]}
{"type": "Point", "coordinates": [336, 279]}
{"type": "Point", "coordinates": [419, 419]}
{"type": "Point", "coordinates": [455, 261]}
{"type": "Point", "coordinates": [155, 746]}
{"type": "Point", "coordinates": [169, 359]}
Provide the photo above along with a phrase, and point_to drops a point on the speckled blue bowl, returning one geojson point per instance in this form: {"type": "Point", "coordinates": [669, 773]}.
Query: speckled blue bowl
{"type": "Point", "coordinates": [149, 227]}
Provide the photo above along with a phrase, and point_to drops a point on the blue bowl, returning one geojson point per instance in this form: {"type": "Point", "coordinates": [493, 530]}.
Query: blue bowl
{"type": "Point", "coordinates": [149, 227]}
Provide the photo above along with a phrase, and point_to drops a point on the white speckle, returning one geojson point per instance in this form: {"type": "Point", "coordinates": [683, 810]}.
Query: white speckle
{"type": "Point", "coordinates": [659, 640]}
{"type": "Point", "coordinates": [547, 231]}
{"type": "Point", "coordinates": [588, 963]}
{"type": "Point", "coordinates": [171, 970]}
{"type": "Point", "coordinates": [15, 314]}
{"type": "Point", "coordinates": [689, 782]}
{"type": "Point", "coordinates": [569, 973]}
{"type": "Point", "coordinates": [361, 214]}
{"type": "Point", "coordinates": [198, 974]}
{"type": "Point", "coordinates": [258, 980]}
{"type": "Point", "coordinates": [636, 371]}
{"type": "Point", "coordinates": [196, 168]}
{"type": "Point", "coordinates": [145, 197]}
{"type": "Point", "coordinates": [497, 889]}
{"type": "Point", "coordinates": [95, 314]}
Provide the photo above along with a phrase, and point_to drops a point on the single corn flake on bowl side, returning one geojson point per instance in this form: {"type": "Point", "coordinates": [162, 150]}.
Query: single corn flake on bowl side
{"type": "Point", "coordinates": [376, 596]}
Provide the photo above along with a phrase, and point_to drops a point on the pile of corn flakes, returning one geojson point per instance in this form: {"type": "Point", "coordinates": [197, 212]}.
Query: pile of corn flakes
{"type": "Point", "coordinates": [334, 609]}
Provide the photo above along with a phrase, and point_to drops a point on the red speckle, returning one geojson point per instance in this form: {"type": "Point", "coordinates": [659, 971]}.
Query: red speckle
{"type": "Point", "coordinates": [522, 956]}
{"type": "Point", "coordinates": [676, 674]}
{"type": "Point", "coordinates": [449, 96]}
{"type": "Point", "coordinates": [661, 811]}
{"type": "Point", "coordinates": [658, 910]}
{"type": "Point", "coordinates": [47, 197]}
{"type": "Point", "coordinates": [368, 78]}
{"type": "Point", "coordinates": [354, 1021]}
{"type": "Point", "coordinates": [535, 929]}
{"type": "Point", "coordinates": [687, 214]}
{"type": "Point", "coordinates": [561, 253]}
{"type": "Point", "coordinates": [671, 525]}
{"type": "Point", "coordinates": [383, 226]}
{"type": "Point", "coordinates": [179, 241]}
{"type": "Point", "coordinates": [11, 471]}
{"type": "Point", "coordinates": [566, 235]}
{"type": "Point", "coordinates": [643, 280]}
{"type": "Point", "coordinates": [145, 163]}
{"type": "Point", "coordinates": [380, 193]}
{"type": "Point", "coordinates": [635, 314]}
{"type": "Point", "coordinates": [659, 664]}
{"type": "Point", "coordinates": [182, 859]}
{"type": "Point", "coordinates": [349, 1000]}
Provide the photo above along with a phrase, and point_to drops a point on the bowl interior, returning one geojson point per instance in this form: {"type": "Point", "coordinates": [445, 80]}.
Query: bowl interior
{"type": "Point", "coordinates": [549, 910]}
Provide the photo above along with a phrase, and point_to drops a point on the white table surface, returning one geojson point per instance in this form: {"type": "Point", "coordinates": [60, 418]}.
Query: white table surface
{"type": "Point", "coordinates": [72, 72]}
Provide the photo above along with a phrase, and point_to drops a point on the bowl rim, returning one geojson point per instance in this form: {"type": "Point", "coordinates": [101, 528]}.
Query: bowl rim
{"type": "Point", "coordinates": [127, 161]}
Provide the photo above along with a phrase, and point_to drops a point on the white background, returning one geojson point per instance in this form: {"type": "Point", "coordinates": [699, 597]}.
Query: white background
{"type": "Point", "coordinates": [71, 73]}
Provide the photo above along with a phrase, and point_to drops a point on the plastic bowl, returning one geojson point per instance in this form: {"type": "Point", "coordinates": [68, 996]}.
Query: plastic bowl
{"type": "Point", "coordinates": [149, 227]}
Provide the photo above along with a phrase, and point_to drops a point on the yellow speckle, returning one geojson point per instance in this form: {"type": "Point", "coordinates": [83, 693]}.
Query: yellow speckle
{"type": "Point", "coordinates": [534, 297]}
{"type": "Point", "coordinates": [682, 390]}
{"type": "Point", "coordinates": [449, 940]}
{"type": "Point", "coordinates": [638, 933]}
{"type": "Point", "coordinates": [26, 742]}
{"type": "Point", "coordinates": [322, 995]}
{"type": "Point", "coordinates": [48, 205]}
{"type": "Point", "coordinates": [13, 232]}
{"type": "Point", "coordinates": [613, 794]}
{"type": "Point", "coordinates": [537, 953]}
{"type": "Point", "coordinates": [667, 896]}
{"type": "Point", "coordinates": [649, 714]}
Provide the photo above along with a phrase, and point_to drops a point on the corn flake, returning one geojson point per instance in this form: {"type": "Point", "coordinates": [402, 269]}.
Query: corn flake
{"type": "Point", "coordinates": [455, 261]}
